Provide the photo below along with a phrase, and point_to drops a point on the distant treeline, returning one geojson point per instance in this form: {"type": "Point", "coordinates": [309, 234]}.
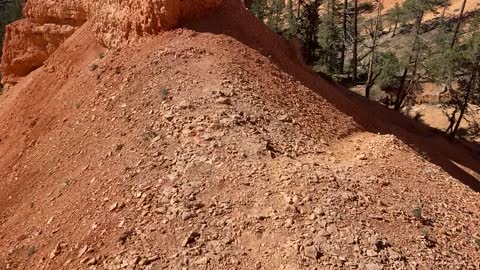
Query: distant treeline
{"type": "Point", "coordinates": [393, 52]}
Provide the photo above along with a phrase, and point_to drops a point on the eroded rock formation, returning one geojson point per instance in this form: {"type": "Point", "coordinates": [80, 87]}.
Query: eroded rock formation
{"type": "Point", "coordinates": [71, 12]}
{"type": "Point", "coordinates": [27, 45]}
{"type": "Point", "coordinates": [116, 22]}
{"type": "Point", "coordinates": [48, 23]}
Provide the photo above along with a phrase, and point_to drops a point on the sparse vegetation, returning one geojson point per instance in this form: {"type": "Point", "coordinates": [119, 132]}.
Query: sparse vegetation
{"type": "Point", "coordinates": [396, 16]}
{"type": "Point", "coordinates": [220, 152]}
{"type": "Point", "coordinates": [164, 92]}
{"type": "Point", "coordinates": [66, 183]}
{"type": "Point", "coordinates": [426, 238]}
{"type": "Point", "coordinates": [417, 213]}
{"type": "Point", "coordinates": [348, 41]}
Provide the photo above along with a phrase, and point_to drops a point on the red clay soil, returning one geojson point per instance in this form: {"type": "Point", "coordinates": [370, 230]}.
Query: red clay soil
{"type": "Point", "coordinates": [213, 147]}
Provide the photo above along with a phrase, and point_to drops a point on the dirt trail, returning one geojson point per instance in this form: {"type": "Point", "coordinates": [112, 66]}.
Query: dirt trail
{"type": "Point", "coordinates": [195, 150]}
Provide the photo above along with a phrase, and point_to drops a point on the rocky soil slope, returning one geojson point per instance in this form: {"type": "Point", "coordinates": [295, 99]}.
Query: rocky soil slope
{"type": "Point", "coordinates": [205, 148]}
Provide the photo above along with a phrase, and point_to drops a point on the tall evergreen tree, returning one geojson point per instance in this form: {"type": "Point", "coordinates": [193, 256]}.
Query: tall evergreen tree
{"type": "Point", "coordinates": [355, 41]}
{"type": "Point", "coordinates": [275, 16]}
{"type": "Point", "coordinates": [469, 83]}
{"type": "Point", "coordinates": [444, 5]}
{"type": "Point", "coordinates": [329, 40]}
{"type": "Point", "coordinates": [415, 10]}
{"type": "Point", "coordinates": [458, 69]}
{"type": "Point", "coordinates": [459, 23]}
{"type": "Point", "coordinates": [345, 35]}
{"type": "Point", "coordinates": [291, 20]}
{"type": "Point", "coordinates": [259, 8]}
{"type": "Point", "coordinates": [308, 29]}
{"type": "Point", "coordinates": [395, 16]}
{"type": "Point", "coordinates": [371, 66]}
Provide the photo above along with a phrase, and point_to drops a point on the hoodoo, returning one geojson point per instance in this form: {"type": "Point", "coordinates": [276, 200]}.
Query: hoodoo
{"type": "Point", "coordinates": [30, 41]}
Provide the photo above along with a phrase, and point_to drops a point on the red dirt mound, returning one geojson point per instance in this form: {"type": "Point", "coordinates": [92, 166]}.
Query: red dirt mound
{"type": "Point", "coordinates": [192, 150]}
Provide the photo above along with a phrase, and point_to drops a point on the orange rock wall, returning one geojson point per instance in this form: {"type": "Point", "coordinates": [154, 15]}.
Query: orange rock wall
{"type": "Point", "coordinates": [48, 23]}
{"type": "Point", "coordinates": [118, 21]}
{"type": "Point", "coordinates": [27, 45]}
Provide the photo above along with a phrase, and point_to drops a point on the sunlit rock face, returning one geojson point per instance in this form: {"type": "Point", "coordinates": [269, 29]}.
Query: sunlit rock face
{"type": "Point", "coordinates": [47, 23]}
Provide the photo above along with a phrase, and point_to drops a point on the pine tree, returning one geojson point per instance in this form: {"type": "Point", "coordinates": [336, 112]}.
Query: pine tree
{"type": "Point", "coordinates": [459, 23]}
{"type": "Point", "coordinates": [308, 29]}
{"type": "Point", "coordinates": [415, 10]}
{"type": "Point", "coordinates": [345, 36]}
{"type": "Point", "coordinates": [387, 67]}
{"type": "Point", "coordinates": [4, 4]}
{"type": "Point", "coordinates": [355, 40]}
{"type": "Point", "coordinates": [442, 65]}
{"type": "Point", "coordinates": [469, 83]}
{"type": "Point", "coordinates": [259, 8]}
{"type": "Point", "coordinates": [275, 16]}
{"type": "Point", "coordinates": [443, 60]}
{"type": "Point", "coordinates": [291, 20]}
{"type": "Point", "coordinates": [395, 17]}
{"type": "Point", "coordinates": [459, 64]}
{"type": "Point", "coordinates": [376, 30]}
{"type": "Point", "coordinates": [444, 7]}
{"type": "Point", "coordinates": [329, 40]}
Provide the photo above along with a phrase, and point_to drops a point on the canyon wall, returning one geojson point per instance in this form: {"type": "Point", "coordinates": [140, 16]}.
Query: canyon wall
{"type": "Point", "coordinates": [47, 23]}
{"type": "Point", "coordinates": [27, 45]}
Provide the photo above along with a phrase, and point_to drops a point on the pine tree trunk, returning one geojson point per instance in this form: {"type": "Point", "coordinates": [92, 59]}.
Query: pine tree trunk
{"type": "Point", "coordinates": [412, 80]}
{"type": "Point", "coordinates": [465, 101]}
{"type": "Point", "coordinates": [277, 18]}
{"type": "Point", "coordinates": [442, 19]}
{"type": "Point", "coordinates": [344, 44]}
{"type": "Point", "coordinates": [459, 23]}
{"type": "Point", "coordinates": [401, 90]}
{"type": "Point", "coordinates": [355, 41]}
{"type": "Point", "coordinates": [299, 8]}
{"type": "Point", "coordinates": [395, 29]}
{"type": "Point", "coordinates": [451, 121]}
{"type": "Point", "coordinates": [372, 59]}
{"type": "Point", "coordinates": [333, 54]}
{"type": "Point", "coordinates": [368, 89]}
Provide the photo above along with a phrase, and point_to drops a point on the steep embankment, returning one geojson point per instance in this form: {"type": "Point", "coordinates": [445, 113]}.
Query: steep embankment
{"type": "Point", "coordinates": [191, 150]}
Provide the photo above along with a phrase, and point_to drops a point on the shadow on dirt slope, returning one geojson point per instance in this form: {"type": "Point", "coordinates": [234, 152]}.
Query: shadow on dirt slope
{"type": "Point", "coordinates": [459, 159]}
